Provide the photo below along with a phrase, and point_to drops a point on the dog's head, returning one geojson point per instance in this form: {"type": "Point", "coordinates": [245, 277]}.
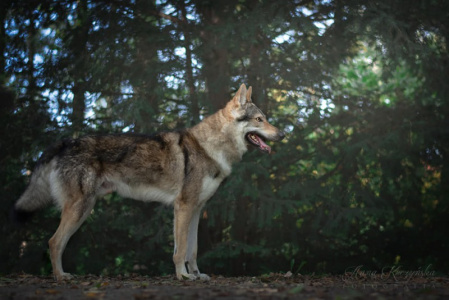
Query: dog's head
{"type": "Point", "coordinates": [251, 121]}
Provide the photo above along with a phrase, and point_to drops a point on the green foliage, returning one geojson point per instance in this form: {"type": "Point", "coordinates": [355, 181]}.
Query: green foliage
{"type": "Point", "coordinates": [360, 89]}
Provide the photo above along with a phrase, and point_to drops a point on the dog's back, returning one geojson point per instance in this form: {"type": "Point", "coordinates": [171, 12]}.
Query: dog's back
{"type": "Point", "coordinates": [97, 165]}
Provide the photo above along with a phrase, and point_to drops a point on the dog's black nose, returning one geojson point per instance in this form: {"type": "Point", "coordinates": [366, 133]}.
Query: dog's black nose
{"type": "Point", "coordinates": [281, 135]}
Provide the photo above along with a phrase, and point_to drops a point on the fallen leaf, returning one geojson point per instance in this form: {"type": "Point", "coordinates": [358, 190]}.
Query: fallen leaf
{"type": "Point", "coordinates": [94, 294]}
{"type": "Point", "coordinates": [52, 291]}
{"type": "Point", "coordinates": [297, 289]}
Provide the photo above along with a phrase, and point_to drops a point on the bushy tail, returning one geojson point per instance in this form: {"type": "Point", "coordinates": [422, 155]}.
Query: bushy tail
{"type": "Point", "coordinates": [36, 196]}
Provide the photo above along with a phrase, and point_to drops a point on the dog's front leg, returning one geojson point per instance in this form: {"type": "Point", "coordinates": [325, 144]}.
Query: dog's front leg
{"type": "Point", "coordinates": [183, 216]}
{"type": "Point", "coordinates": [192, 246]}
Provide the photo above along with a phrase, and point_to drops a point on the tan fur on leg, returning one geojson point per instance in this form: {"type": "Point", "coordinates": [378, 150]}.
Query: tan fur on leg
{"type": "Point", "coordinates": [183, 217]}
{"type": "Point", "coordinates": [73, 215]}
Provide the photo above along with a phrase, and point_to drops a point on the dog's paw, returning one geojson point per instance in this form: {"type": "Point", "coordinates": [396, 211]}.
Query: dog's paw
{"type": "Point", "coordinates": [187, 277]}
{"type": "Point", "coordinates": [63, 276]}
{"type": "Point", "coordinates": [203, 277]}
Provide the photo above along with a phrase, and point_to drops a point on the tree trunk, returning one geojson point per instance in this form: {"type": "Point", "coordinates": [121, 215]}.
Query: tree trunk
{"type": "Point", "coordinates": [4, 5]}
{"type": "Point", "coordinates": [78, 109]}
{"type": "Point", "coordinates": [146, 76]}
{"type": "Point", "coordinates": [194, 106]}
{"type": "Point", "coordinates": [80, 56]}
{"type": "Point", "coordinates": [215, 56]}
{"type": "Point", "coordinates": [255, 76]}
{"type": "Point", "coordinates": [31, 52]}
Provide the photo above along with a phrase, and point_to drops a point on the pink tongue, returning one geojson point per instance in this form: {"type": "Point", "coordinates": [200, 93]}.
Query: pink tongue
{"type": "Point", "coordinates": [262, 145]}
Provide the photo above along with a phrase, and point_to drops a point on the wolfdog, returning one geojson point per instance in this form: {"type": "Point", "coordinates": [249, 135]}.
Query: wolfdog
{"type": "Point", "coordinates": [183, 168]}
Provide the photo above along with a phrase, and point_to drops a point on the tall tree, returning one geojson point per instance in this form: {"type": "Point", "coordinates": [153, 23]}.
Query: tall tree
{"type": "Point", "coordinates": [216, 36]}
{"type": "Point", "coordinates": [78, 43]}
{"type": "Point", "coordinates": [189, 77]}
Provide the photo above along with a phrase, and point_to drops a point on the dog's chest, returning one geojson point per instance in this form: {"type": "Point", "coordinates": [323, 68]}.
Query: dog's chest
{"type": "Point", "coordinates": [208, 187]}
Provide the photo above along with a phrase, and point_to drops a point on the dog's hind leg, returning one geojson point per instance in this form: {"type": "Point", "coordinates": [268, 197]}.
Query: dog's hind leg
{"type": "Point", "coordinates": [74, 213]}
{"type": "Point", "coordinates": [192, 246]}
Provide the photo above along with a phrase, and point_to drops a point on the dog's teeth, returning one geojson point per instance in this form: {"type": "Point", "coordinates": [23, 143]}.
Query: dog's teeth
{"type": "Point", "coordinates": [254, 138]}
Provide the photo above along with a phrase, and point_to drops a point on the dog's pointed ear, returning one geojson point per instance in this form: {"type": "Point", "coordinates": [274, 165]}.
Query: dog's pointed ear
{"type": "Point", "coordinates": [248, 95]}
{"type": "Point", "coordinates": [240, 96]}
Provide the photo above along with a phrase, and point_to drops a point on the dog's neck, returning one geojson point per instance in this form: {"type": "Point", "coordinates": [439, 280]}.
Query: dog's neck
{"type": "Point", "coordinates": [216, 134]}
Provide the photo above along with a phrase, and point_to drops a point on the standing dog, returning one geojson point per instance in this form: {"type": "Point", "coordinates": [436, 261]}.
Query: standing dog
{"type": "Point", "coordinates": [181, 168]}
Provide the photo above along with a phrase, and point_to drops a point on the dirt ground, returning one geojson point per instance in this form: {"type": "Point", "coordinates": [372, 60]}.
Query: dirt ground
{"type": "Point", "coordinates": [272, 286]}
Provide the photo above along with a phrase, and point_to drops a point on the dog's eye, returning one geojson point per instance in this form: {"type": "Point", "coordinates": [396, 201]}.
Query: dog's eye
{"type": "Point", "coordinates": [259, 119]}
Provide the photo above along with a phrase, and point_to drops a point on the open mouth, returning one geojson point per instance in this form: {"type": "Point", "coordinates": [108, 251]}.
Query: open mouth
{"type": "Point", "coordinates": [258, 141]}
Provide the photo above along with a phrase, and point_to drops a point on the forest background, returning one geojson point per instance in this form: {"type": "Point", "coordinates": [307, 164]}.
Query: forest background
{"type": "Point", "coordinates": [360, 87]}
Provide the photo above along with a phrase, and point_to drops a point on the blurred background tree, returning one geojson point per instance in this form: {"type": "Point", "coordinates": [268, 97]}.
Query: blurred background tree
{"type": "Point", "coordinates": [360, 88]}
